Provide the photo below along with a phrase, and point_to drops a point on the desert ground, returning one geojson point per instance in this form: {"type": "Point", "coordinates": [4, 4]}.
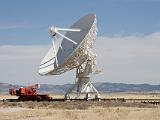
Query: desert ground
{"type": "Point", "coordinates": [78, 110]}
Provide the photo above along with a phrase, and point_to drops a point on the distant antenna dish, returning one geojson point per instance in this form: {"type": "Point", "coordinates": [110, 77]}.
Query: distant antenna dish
{"type": "Point", "coordinates": [73, 50]}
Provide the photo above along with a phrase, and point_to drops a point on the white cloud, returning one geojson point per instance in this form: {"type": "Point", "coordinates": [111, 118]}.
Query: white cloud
{"type": "Point", "coordinates": [10, 26]}
{"type": "Point", "coordinates": [19, 64]}
{"type": "Point", "coordinates": [130, 59]}
{"type": "Point", "coordinates": [127, 59]}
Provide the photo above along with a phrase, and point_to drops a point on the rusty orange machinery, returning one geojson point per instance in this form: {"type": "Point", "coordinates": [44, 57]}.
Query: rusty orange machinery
{"type": "Point", "coordinates": [30, 94]}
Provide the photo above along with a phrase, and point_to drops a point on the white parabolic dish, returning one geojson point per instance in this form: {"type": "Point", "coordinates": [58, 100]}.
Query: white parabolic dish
{"type": "Point", "coordinates": [71, 55]}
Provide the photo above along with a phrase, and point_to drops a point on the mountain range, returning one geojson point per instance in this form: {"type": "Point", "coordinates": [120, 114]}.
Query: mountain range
{"type": "Point", "coordinates": [101, 87]}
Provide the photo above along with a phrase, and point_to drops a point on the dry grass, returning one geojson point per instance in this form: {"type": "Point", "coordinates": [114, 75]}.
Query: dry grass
{"type": "Point", "coordinates": [132, 95]}
{"type": "Point", "coordinates": [96, 113]}
{"type": "Point", "coordinates": [71, 105]}
{"type": "Point", "coordinates": [90, 110]}
{"type": "Point", "coordinates": [78, 111]}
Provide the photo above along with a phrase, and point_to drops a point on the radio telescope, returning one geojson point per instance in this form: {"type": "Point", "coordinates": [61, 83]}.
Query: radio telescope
{"type": "Point", "coordinates": [73, 50]}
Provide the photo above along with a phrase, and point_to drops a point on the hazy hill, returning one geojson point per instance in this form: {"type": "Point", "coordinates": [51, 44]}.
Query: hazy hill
{"type": "Point", "coordinates": [4, 87]}
{"type": "Point", "coordinates": [121, 87]}
{"type": "Point", "coordinates": [102, 87]}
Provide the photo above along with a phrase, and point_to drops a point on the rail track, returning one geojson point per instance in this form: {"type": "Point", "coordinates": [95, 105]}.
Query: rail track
{"type": "Point", "coordinates": [145, 101]}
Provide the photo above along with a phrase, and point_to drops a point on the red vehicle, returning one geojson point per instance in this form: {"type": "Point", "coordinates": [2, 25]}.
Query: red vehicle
{"type": "Point", "coordinates": [30, 94]}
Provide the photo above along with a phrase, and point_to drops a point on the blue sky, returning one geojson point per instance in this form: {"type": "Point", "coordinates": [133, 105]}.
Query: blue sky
{"type": "Point", "coordinates": [27, 22]}
{"type": "Point", "coordinates": [128, 37]}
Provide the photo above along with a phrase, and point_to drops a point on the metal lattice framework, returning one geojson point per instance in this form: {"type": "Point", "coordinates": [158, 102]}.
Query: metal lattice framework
{"type": "Point", "coordinates": [81, 54]}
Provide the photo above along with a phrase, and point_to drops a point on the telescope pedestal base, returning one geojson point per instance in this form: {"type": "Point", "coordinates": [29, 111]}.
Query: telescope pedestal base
{"type": "Point", "coordinates": [83, 87]}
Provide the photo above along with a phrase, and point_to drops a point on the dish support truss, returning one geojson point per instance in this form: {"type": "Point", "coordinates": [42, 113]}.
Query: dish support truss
{"type": "Point", "coordinates": [83, 85]}
{"type": "Point", "coordinates": [80, 54]}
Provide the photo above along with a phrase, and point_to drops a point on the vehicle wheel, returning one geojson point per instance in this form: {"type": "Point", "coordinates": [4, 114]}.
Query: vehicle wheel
{"type": "Point", "coordinates": [39, 98]}
{"type": "Point", "coordinates": [19, 99]}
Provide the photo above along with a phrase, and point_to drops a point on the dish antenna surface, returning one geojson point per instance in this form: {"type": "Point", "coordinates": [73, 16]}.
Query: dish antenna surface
{"type": "Point", "coordinates": [73, 50]}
